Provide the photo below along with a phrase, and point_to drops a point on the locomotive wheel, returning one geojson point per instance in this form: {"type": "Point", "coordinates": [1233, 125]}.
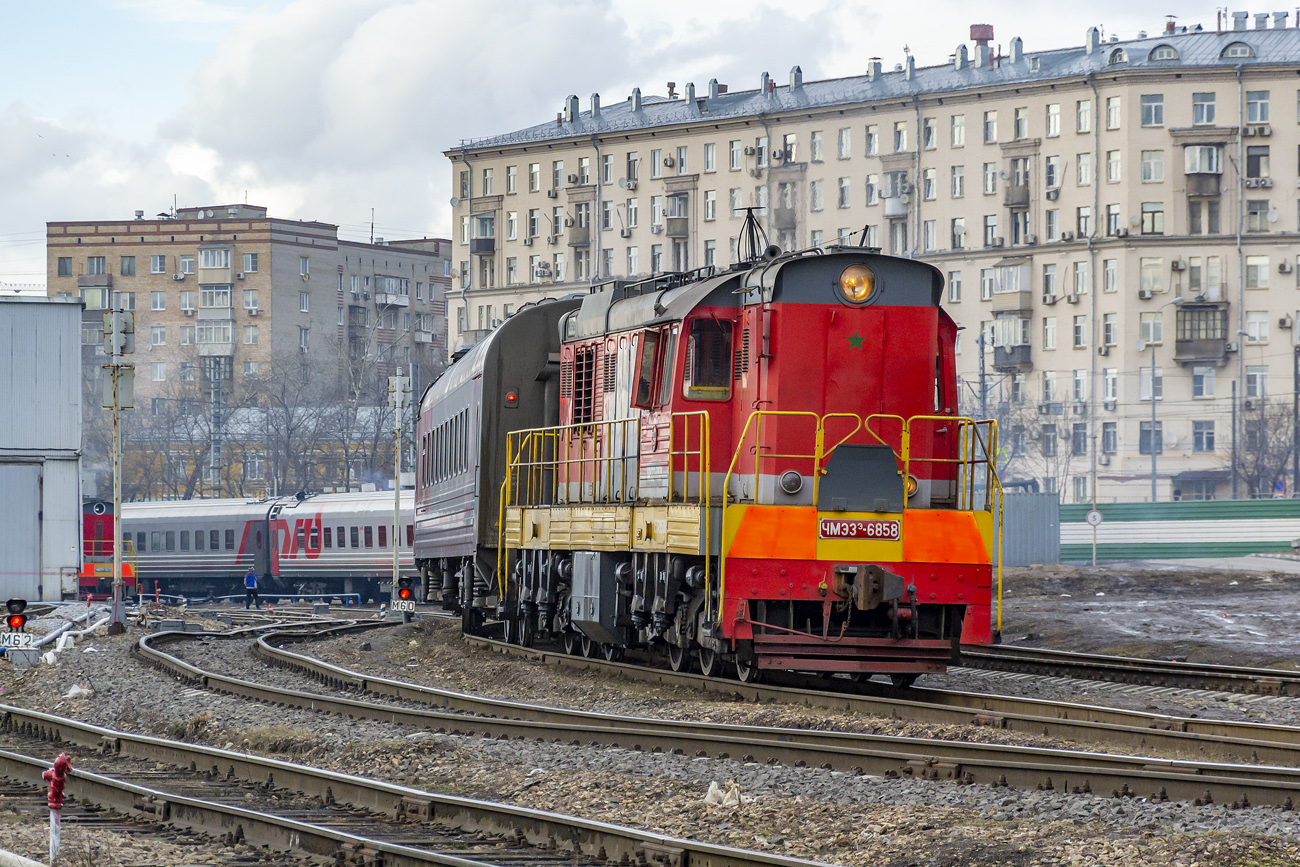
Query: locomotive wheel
{"type": "Point", "coordinates": [510, 631]}
{"type": "Point", "coordinates": [679, 658]}
{"type": "Point", "coordinates": [590, 649]}
{"type": "Point", "coordinates": [903, 681]}
{"type": "Point", "coordinates": [572, 642]}
{"type": "Point", "coordinates": [528, 630]}
{"type": "Point", "coordinates": [612, 652]}
{"type": "Point", "coordinates": [748, 672]}
{"type": "Point", "coordinates": [710, 664]}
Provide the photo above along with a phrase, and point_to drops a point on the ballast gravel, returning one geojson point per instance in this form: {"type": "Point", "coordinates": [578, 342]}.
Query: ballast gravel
{"type": "Point", "coordinates": [801, 812]}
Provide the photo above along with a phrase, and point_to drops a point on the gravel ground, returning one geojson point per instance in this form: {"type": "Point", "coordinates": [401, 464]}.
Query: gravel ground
{"type": "Point", "coordinates": [803, 812]}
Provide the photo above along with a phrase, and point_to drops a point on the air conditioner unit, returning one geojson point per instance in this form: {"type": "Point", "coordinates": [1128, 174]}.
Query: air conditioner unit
{"type": "Point", "coordinates": [1251, 182]}
{"type": "Point", "coordinates": [750, 150]}
{"type": "Point", "coordinates": [573, 179]}
{"type": "Point", "coordinates": [777, 154]}
{"type": "Point", "coordinates": [999, 242]}
{"type": "Point", "coordinates": [552, 239]}
{"type": "Point", "coordinates": [178, 276]}
{"type": "Point", "coordinates": [528, 242]}
{"type": "Point", "coordinates": [1229, 347]}
{"type": "Point", "coordinates": [1284, 322]}
{"type": "Point", "coordinates": [253, 311]}
{"type": "Point", "coordinates": [631, 186]}
{"type": "Point", "coordinates": [655, 230]}
{"type": "Point", "coordinates": [1072, 298]}
{"type": "Point", "coordinates": [1121, 233]}
{"type": "Point", "coordinates": [365, 293]}
{"type": "Point", "coordinates": [188, 311]}
{"type": "Point", "coordinates": [904, 187]}
{"type": "Point", "coordinates": [1103, 350]}
{"type": "Point", "coordinates": [1103, 460]}
{"type": "Point", "coordinates": [239, 276]}
{"type": "Point", "coordinates": [1248, 403]}
{"type": "Point", "coordinates": [1265, 129]}
{"type": "Point", "coordinates": [1248, 130]}
{"type": "Point", "coordinates": [1053, 195]}
{"type": "Point", "coordinates": [625, 233]}
{"type": "Point", "coordinates": [1067, 236]}
{"type": "Point", "coordinates": [568, 221]}
{"type": "Point", "coordinates": [1044, 409]}
{"type": "Point", "coordinates": [1144, 294]}
{"type": "Point", "coordinates": [1080, 408]}
{"type": "Point", "coordinates": [1266, 183]}
{"type": "Point", "coordinates": [552, 194]}
{"type": "Point", "coordinates": [1031, 239]}
{"type": "Point", "coordinates": [1049, 299]}
{"type": "Point", "coordinates": [1177, 265]}
{"type": "Point", "coordinates": [1284, 268]}
{"type": "Point", "coordinates": [1109, 405]}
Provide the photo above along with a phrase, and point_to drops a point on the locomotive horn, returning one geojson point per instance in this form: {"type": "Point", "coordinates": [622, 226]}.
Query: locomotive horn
{"type": "Point", "coordinates": [772, 252]}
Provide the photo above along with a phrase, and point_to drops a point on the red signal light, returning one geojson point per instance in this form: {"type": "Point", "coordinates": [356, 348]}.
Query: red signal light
{"type": "Point", "coordinates": [16, 621]}
{"type": "Point", "coordinates": [404, 593]}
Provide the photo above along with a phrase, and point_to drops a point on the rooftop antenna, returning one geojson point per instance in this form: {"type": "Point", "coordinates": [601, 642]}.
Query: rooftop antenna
{"type": "Point", "coordinates": [751, 244]}
{"type": "Point", "coordinates": [372, 225]}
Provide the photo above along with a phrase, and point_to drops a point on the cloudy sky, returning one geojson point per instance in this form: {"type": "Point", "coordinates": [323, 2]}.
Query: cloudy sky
{"type": "Point", "coordinates": [325, 109]}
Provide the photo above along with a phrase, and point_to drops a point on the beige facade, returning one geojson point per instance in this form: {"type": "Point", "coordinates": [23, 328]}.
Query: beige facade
{"type": "Point", "coordinates": [1069, 197]}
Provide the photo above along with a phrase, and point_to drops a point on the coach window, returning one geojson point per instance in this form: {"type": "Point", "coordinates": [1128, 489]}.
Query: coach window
{"type": "Point", "coordinates": [155, 541]}
{"type": "Point", "coordinates": [300, 538]}
{"type": "Point", "coordinates": [214, 540]}
{"type": "Point", "coordinates": [410, 534]}
{"type": "Point", "coordinates": [343, 539]}
{"type": "Point", "coordinates": [645, 373]}
{"type": "Point", "coordinates": [139, 542]}
{"type": "Point", "coordinates": [171, 540]}
{"type": "Point", "coordinates": [355, 544]}
{"type": "Point", "coordinates": [230, 540]}
{"type": "Point", "coordinates": [198, 540]}
{"type": "Point", "coordinates": [370, 536]}
{"type": "Point", "coordinates": [708, 361]}
{"type": "Point", "coordinates": [329, 537]}
{"type": "Point", "coordinates": [185, 540]}
{"type": "Point", "coordinates": [383, 536]}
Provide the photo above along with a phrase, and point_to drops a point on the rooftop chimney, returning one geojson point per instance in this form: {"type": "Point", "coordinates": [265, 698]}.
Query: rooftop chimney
{"type": "Point", "coordinates": [1261, 20]}
{"type": "Point", "coordinates": [1170, 26]}
{"type": "Point", "coordinates": [1239, 20]}
{"type": "Point", "coordinates": [635, 99]}
{"type": "Point", "coordinates": [690, 91]}
{"type": "Point", "coordinates": [571, 108]}
{"type": "Point", "coordinates": [796, 78]}
{"type": "Point", "coordinates": [911, 68]}
{"type": "Point", "coordinates": [763, 81]}
{"type": "Point", "coordinates": [873, 69]}
{"type": "Point", "coordinates": [672, 90]}
{"type": "Point", "coordinates": [595, 106]}
{"type": "Point", "coordinates": [982, 58]}
{"type": "Point", "coordinates": [981, 34]}
{"type": "Point", "coordinates": [713, 88]}
{"type": "Point", "coordinates": [139, 215]}
{"type": "Point", "coordinates": [1142, 34]}
{"type": "Point", "coordinates": [1090, 42]}
{"type": "Point", "coordinates": [960, 60]}
{"type": "Point", "coordinates": [1279, 20]}
{"type": "Point", "coordinates": [1017, 49]}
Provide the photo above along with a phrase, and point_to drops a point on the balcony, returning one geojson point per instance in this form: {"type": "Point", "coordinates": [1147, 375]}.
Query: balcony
{"type": "Point", "coordinates": [1017, 196]}
{"type": "Point", "coordinates": [679, 227]}
{"type": "Point", "coordinates": [392, 299]}
{"type": "Point", "coordinates": [94, 281]}
{"type": "Point", "coordinates": [1011, 302]}
{"type": "Point", "coordinates": [423, 337]}
{"type": "Point", "coordinates": [1203, 184]}
{"type": "Point", "coordinates": [1011, 358]}
{"type": "Point", "coordinates": [579, 236]}
{"type": "Point", "coordinates": [483, 246]}
{"type": "Point", "coordinates": [896, 207]}
{"type": "Point", "coordinates": [784, 218]}
{"type": "Point", "coordinates": [1202, 333]}
{"type": "Point", "coordinates": [221, 349]}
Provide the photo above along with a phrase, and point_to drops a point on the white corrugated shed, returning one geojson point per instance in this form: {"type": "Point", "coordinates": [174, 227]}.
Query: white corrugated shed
{"type": "Point", "coordinates": [40, 447]}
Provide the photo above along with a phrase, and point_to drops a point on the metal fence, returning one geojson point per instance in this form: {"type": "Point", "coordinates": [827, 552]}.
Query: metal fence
{"type": "Point", "coordinates": [1031, 530]}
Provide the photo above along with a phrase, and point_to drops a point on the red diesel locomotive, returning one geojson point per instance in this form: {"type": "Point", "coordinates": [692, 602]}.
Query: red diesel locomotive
{"type": "Point", "coordinates": [763, 467]}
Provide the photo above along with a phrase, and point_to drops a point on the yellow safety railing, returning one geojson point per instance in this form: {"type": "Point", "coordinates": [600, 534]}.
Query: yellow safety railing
{"type": "Point", "coordinates": [977, 448]}
{"type": "Point", "coordinates": [682, 449]}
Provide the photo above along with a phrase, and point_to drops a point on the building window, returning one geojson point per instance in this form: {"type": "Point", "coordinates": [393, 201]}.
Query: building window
{"type": "Point", "coordinates": [958, 233]}
{"type": "Point", "coordinates": [1145, 438]}
{"type": "Point", "coordinates": [157, 300]}
{"type": "Point", "coordinates": [843, 199]}
{"type": "Point", "coordinates": [990, 230]}
{"type": "Point", "coordinates": [929, 185]}
{"type": "Point", "coordinates": [900, 136]}
{"type": "Point", "coordinates": [958, 181]}
{"type": "Point", "coordinates": [815, 195]}
{"type": "Point", "coordinates": [1257, 161]}
{"type": "Point", "coordinates": [958, 130]}
{"type": "Point", "coordinates": [954, 287]}
{"type": "Point", "coordinates": [1257, 272]}
{"type": "Point", "coordinates": [1153, 218]}
{"type": "Point", "coordinates": [1257, 215]}
{"type": "Point", "coordinates": [990, 127]}
{"type": "Point", "coordinates": [873, 189]}
{"type": "Point", "coordinates": [1112, 112]}
{"type": "Point", "coordinates": [128, 266]}
{"type": "Point", "coordinates": [1079, 446]}
{"type": "Point", "coordinates": [1151, 273]}
{"type": "Point", "coordinates": [1202, 160]}
{"type": "Point", "coordinates": [928, 133]}
{"type": "Point", "coordinates": [1021, 123]}
{"type": "Point", "coordinates": [1153, 166]}
{"type": "Point", "coordinates": [1257, 106]}
{"type": "Point", "coordinates": [986, 284]}
{"type": "Point", "coordinates": [1052, 172]}
{"type": "Point", "coordinates": [1049, 332]}
{"type": "Point", "coordinates": [1202, 382]}
{"type": "Point", "coordinates": [815, 148]}
{"type": "Point", "coordinates": [1202, 436]}
{"type": "Point", "coordinates": [1084, 169]}
{"type": "Point", "coordinates": [1113, 164]}
{"type": "Point", "coordinates": [1047, 440]}
{"type": "Point", "coordinates": [95, 265]}
{"type": "Point", "coordinates": [215, 259]}
{"type": "Point", "coordinates": [1080, 332]}
{"type": "Point", "coordinates": [1109, 437]}
{"type": "Point", "coordinates": [1150, 328]}
{"type": "Point", "coordinates": [1203, 109]}
{"type": "Point", "coordinates": [1110, 275]}
{"type": "Point", "coordinates": [1110, 383]}
{"type": "Point", "coordinates": [303, 334]}
{"type": "Point", "coordinates": [187, 335]}
{"type": "Point", "coordinates": [158, 371]}
{"type": "Point", "coordinates": [990, 178]}
{"type": "Point", "coordinates": [681, 161]}
{"type": "Point", "coordinates": [157, 265]}
{"type": "Point", "coordinates": [158, 335]}
{"type": "Point", "coordinates": [735, 156]}
{"type": "Point", "coordinates": [250, 335]}
{"type": "Point", "coordinates": [844, 143]}
{"type": "Point", "coordinates": [1049, 281]}
{"type": "Point", "coordinates": [873, 140]}
{"type": "Point", "coordinates": [1052, 224]}
{"type": "Point", "coordinates": [1153, 109]}
{"type": "Point", "coordinates": [1053, 120]}
{"type": "Point", "coordinates": [710, 254]}
{"type": "Point", "coordinates": [1083, 115]}
{"type": "Point", "coordinates": [929, 236]}
{"type": "Point", "coordinates": [1257, 381]}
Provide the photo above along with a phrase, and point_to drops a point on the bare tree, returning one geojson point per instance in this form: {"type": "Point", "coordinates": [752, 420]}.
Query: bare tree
{"type": "Point", "coordinates": [1267, 438]}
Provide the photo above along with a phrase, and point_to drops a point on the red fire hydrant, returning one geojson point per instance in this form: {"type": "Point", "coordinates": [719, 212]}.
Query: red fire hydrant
{"type": "Point", "coordinates": [56, 777]}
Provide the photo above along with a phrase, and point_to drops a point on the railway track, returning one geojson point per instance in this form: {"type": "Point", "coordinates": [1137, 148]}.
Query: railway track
{"type": "Point", "coordinates": [286, 806]}
{"type": "Point", "coordinates": [890, 756]}
{"type": "Point", "coordinates": [1123, 669]}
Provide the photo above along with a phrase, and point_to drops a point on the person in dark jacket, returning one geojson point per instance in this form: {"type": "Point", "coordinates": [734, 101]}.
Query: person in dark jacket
{"type": "Point", "coordinates": [250, 589]}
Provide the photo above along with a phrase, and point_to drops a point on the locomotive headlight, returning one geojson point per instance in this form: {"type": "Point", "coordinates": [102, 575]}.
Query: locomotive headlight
{"type": "Point", "coordinates": [791, 482]}
{"type": "Point", "coordinates": [912, 485]}
{"type": "Point", "coordinates": [857, 284]}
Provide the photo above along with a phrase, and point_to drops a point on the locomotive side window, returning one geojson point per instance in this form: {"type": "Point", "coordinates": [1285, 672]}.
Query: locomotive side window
{"type": "Point", "coordinates": [185, 540]}
{"type": "Point", "coordinates": [645, 370]}
{"type": "Point", "coordinates": [666, 367]}
{"type": "Point", "coordinates": [198, 540]}
{"type": "Point", "coordinates": [383, 536]}
{"type": "Point", "coordinates": [370, 536]}
{"type": "Point", "coordinates": [708, 361]}
{"type": "Point", "coordinates": [230, 540]}
{"type": "Point", "coordinates": [214, 540]}
{"type": "Point", "coordinates": [329, 537]}
{"type": "Point", "coordinates": [354, 538]}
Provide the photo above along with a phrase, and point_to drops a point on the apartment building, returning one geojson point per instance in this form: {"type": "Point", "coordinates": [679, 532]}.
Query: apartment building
{"type": "Point", "coordinates": [225, 297]}
{"type": "Point", "coordinates": [1077, 201]}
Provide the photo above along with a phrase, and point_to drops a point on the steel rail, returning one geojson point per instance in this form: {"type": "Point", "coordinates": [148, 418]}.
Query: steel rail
{"type": "Point", "coordinates": [540, 827]}
{"type": "Point", "coordinates": [1205, 739]}
{"type": "Point", "coordinates": [1021, 767]}
{"type": "Point", "coordinates": [1124, 669]}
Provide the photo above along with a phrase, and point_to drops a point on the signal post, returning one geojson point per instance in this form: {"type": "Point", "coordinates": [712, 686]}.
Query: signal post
{"type": "Point", "coordinates": [119, 394]}
{"type": "Point", "coordinates": [399, 398]}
